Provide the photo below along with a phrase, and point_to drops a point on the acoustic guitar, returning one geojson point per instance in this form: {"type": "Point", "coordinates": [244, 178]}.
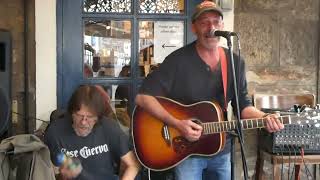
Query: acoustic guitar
{"type": "Point", "coordinates": [160, 147]}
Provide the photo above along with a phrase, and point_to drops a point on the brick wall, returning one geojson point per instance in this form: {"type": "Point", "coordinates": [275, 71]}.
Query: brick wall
{"type": "Point", "coordinates": [12, 19]}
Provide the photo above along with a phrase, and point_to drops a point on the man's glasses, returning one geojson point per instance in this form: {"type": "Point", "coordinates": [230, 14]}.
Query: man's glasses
{"type": "Point", "coordinates": [87, 117]}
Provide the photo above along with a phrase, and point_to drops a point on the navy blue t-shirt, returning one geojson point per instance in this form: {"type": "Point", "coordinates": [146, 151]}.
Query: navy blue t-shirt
{"type": "Point", "coordinates": [97, 152]}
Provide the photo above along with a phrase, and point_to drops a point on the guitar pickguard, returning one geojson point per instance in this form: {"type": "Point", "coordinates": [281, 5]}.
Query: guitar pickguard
{"type": "Point", "coordinates": [181, 145]}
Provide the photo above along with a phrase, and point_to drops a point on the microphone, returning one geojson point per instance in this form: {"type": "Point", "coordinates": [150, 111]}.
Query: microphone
{"type": "Point", "coordinates": [225, 34]}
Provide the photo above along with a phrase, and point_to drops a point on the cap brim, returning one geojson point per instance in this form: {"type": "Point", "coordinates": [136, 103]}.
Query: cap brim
{"type": "Point", "coordinates": [196, 15]}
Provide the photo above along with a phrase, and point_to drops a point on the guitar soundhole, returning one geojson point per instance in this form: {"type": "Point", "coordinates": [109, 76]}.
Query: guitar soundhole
{"type": "Point", "coordinates": [181, 145]}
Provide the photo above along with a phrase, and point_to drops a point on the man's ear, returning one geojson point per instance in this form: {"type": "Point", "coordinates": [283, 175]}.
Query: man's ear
{"type": "Point", "coordinates": [193, 28]}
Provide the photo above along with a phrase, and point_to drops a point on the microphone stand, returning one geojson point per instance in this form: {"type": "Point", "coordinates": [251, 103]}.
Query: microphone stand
{"type": "Point", "coordinates": [239, 127]}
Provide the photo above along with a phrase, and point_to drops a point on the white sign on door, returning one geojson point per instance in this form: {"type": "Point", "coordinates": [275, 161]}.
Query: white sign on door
{"type": "Point", "coordinates": [168, 36]}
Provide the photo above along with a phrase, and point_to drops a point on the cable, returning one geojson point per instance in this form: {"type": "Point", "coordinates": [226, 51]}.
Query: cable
{"type": "Point", "coordinates": [308, 173]}
{"type": "Point", "coordinates": [294, 162]}
{"type": "Point", "coordinates": [22, 116]}
{"type": "Point", "coordinates": [239, 56]}
{"type": "Point", "coordinates": [236, 94]}
{"type": "Point", "coordinates": [281, 162]}
{"type": "Point", "coordinates": [149, 176]}
{"type": "Point", "coordinates": [289, 161]}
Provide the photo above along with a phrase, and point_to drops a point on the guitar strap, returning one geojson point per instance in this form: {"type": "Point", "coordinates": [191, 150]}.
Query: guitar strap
{"type": "Point", "coordinates": [223, 59]}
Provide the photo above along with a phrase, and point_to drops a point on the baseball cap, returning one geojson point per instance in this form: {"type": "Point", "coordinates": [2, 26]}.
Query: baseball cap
{"type": "Point", "coordinates": [206, 6]}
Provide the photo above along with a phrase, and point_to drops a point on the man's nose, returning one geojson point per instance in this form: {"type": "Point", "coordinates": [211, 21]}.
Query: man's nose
{"type": "Point", "coordinates": [213, 26]}
{"type": "Point", "coordinates": [83, 120]}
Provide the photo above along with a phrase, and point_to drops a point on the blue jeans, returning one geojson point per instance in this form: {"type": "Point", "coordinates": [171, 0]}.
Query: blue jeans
{"type": "Point", "coordinates": [217, 167]}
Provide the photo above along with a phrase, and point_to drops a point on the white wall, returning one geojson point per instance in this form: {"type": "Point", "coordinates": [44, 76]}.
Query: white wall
{"type": "Point", "coordinates": [46, 68]}
{"type": "Point", "coordinates": [228, 19]}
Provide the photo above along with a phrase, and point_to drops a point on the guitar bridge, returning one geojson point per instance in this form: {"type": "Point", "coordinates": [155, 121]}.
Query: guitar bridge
{"type": "Point", "coordinates": [166, 135]}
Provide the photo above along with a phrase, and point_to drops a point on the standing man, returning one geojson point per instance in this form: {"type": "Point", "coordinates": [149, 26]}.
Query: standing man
{"type": "Point", "coordinates": [192, 74]}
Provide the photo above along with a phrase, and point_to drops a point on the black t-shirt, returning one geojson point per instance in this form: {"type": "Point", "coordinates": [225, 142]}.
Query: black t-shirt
{"type": "Point", "coordinates": [97, 152]}
{"type": "Point", "coordinates": [185, 77]}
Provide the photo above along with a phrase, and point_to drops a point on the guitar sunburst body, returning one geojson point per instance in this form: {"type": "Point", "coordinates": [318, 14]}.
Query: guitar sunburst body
{"type": "Point", "coordinates": [160, 147]}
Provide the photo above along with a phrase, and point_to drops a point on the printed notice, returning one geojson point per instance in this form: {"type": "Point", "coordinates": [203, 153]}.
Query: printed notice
{"type": "Point", "coordinates": [168, 36]}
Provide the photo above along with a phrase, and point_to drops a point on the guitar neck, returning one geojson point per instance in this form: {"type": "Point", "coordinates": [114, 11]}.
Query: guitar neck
{"type": "Point", "coordinates": [225, 126]}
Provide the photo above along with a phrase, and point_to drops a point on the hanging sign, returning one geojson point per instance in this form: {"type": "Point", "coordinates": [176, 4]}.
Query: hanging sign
{"type": "Point", "coordinates": [168, 36]}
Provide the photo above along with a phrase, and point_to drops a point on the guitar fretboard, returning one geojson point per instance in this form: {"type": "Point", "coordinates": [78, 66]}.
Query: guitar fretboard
{"type": "Point", "coordinates": [225, 126]}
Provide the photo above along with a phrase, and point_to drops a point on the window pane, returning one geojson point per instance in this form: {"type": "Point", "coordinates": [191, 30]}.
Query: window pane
{"type": "Point", "coordinates": [119, 6]}
{"type": "Point", "coordinates": [119, 104]}
{"type": "Point", "coordinates": [161, 6]}
{"type": "Point", "coordinates": [107, 48]}
{"type": "Point", "coordinates": [157, 39]}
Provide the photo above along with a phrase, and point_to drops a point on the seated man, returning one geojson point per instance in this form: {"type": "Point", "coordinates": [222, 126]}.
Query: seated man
{"type": "Point", "coordinates": [85, 134]}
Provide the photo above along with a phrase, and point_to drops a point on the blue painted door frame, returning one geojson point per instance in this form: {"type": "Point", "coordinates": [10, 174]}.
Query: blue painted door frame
{"type": "Point", "coordinates": [70, 45]}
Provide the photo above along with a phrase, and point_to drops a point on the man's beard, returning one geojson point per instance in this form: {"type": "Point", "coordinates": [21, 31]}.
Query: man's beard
{"type": "Point", "coordinates": [82, 132]}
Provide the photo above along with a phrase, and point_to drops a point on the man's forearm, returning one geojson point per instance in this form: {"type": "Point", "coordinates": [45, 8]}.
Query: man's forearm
{"type": "Point", "coordinates": [151, 105]}
{"type": "Point", "coordinates": [130, 173]}
{"type": "Point", "coordinates": [251, 112]}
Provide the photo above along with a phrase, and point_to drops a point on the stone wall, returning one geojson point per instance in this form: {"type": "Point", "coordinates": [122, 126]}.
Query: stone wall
{"type": "Point", "coordinates": [12, 19]}
{"type": "Point", "coordinates": [280, 44]}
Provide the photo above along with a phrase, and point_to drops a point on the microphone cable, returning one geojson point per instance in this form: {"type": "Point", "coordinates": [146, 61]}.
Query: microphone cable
{"type": "Point", "coordinates": [281, 151]}
{"type": "Point", "coordinates": [236, 77]}
{"type": "Point", "coordinates": [307, 171]}
{"type": "Point", "coordinates": [294, 161]}
{"type": "Point", "coordinates": [149, 176]}
{"type": "Point", "coordinates": [239, 57]}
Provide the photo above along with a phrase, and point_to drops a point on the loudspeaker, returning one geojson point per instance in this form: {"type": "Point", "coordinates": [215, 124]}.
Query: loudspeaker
{"type": "Point", "coordinates": [5, 81]}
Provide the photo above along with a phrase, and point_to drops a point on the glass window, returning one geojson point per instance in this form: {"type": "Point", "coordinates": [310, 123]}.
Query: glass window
{"type": "Point", "coordinates": [119, 97]}
{"type": "Point", "coordinates": [161, 6]}
{"type": "Point", "coordinates": [107, 48]}
{"type": "Point", "coordinates": [157, 39]}
{"type": "Point", "coordinates": [110, 6]}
